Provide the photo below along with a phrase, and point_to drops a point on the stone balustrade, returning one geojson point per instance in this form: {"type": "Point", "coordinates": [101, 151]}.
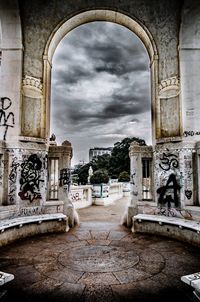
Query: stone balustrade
{"type": "Point", "coordinates": [81, 196]}
{"type": "Point", "coordinates": [84, 196]}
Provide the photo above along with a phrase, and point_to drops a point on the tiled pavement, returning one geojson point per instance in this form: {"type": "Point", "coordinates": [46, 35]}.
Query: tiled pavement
{"type": "Point", "coordinates": [98, 261]}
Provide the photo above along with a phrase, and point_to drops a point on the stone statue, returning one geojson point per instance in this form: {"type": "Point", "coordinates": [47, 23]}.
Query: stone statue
{"type": "Point", "coordinates": [90, 173]}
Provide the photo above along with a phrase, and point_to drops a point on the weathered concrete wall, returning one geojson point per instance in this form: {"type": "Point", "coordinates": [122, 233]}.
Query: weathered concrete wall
{"type": "Point", "coordinates": [174, 174]}
{"type": "Point", "coordinates": [25, 175]}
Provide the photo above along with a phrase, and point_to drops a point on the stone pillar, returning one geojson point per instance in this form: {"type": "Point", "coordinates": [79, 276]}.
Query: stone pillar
{"type": "Point", "coordinates": [25, 170]}
{"type": "Point", "coordinates": [32, 109]}
{"type": "Point", "coordinates": [135, 181]}
{"type": "Point", "coordinates": [64, 155]}
{"type": "Point", "coordinates": [169, 112]}
{"type": "Point", "coordinates": [174, 174]}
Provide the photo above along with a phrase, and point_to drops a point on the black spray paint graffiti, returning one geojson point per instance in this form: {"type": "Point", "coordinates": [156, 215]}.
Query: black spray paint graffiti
{"type": "Point", "coordinates": [188, 194]}
{"type": "Point", "coordinates": [12, 179]}
{"type": "Point", "coordinates": [65, 177]}
{"type": "Point", "coordinates": [168, 161]}
{"type": "Point", "coordinates": [6, 118]}
{"type": "Point", "coordinates": [171, 187]}
{"type": "Point", "coordinates": [191, 133]}
{"type": "Point", "coordinates": [31, 178]}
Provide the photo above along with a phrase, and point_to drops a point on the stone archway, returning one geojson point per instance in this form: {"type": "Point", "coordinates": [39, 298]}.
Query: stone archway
{"type": "Point", "coordinates": [100, 15]}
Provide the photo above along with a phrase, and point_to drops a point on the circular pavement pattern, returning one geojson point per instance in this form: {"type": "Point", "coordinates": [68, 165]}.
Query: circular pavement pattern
{"type": "Point", "coordinates": [98, 262]}
{"type": "Point", "coordinates": [99, 258]}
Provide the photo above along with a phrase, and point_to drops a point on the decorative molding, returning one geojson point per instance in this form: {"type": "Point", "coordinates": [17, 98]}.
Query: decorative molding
{"type": "Point", "coordinates": [168, 84]}
{"type": "Point", "coordinates": [32, 139]}
{"type": "Point", "coordinates": [32, 82]}
{"type": "Point", "coordinates": [169, 88]}
{"type": "Point", "coordinates": [175, 146]}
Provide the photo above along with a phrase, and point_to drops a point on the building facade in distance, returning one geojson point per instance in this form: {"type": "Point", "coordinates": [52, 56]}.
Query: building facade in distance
{"type": "Point", "coordinates": [98, 151]}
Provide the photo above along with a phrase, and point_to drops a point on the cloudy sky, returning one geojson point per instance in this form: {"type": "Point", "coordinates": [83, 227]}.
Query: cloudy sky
{"type": "Point", "coordinates": [100, 88]}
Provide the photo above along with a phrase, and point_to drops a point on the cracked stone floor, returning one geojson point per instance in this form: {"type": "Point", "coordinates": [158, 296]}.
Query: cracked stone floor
{"type": "Point", "coordinates": [98, 261]}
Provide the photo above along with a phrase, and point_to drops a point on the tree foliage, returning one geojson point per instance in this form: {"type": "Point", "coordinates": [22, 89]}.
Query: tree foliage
{"type": "Point", "coordinates": [115, 163]}
{"type": "Point", "coordinates": [124, 176]}
{"type": "Point", "coordinates": [120, 160]}
{"type": "Point", "coordinates": [100, 176]}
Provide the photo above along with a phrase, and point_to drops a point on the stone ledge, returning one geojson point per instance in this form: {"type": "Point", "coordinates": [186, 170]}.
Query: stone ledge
{"type": "Point", "coordinates": [177, 228]}
{"type": "Point", "coordinates": [181, 223]}
{"type": "Point", "coordinates": [20, 221]}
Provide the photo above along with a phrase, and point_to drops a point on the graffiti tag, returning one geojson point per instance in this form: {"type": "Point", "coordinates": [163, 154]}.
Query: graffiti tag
{"type": "Point", "coordinates": [31, 178]}
{"type": "Point", "coordinates": [188, 194]}
{"type": "Point", "coordinates": [168, 161]}
{"type": "Point", "coordinates": [191, 133]}
{"type": "Point", "coordinates": [12, 178]}
{"type": "Point", "coordinates": [171, 185]}
{"type": "Point", "coordinates": [65, 177]}
{"type": "Point", "coordinates": [7, 119]}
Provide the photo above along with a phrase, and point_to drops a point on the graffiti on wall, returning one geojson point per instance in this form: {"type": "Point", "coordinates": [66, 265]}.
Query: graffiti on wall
{"type": "Point", "coordinates": [76, 196]}
{"type": "Point", "coordinates": [188, 194]}
{"type": "Point", "coordinates": [65, 177]}
{"type": "Point", "coordinates": [168, 193]}
{"type": "Point", "coordinates": [134, 190]}
{"type": "Point", "coordinates": [188, 176]}
{"type": "Point", "coordinates": [7, 119]}
{"type": "Point", "coordinates": [31, 178]}
{"type": "Point", "coordinates": [30, 211]}
{"type": "Point", "coordinates": [12, 180]}
{"type": "Point", "coordinates": [191, 133]}
{"type": "Point", "coordinates": [168, 161]}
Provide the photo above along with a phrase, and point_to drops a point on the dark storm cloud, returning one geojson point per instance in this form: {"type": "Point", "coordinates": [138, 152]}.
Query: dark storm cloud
{"type": "Point", "coordinates": [100, 85]}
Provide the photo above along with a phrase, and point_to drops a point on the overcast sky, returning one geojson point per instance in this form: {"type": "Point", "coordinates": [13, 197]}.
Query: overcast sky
{"type": "Point", "coordinates": [100, 88]}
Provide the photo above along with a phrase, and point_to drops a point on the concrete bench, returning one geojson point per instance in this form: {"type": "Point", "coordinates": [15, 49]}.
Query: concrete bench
{"type": "Point", "coordinates": [21, 227]}
{"type": "Point", "coordinates": [5, 278]}
{"type": "Point", "coordinates": [182, 229]}
{"type": "Point", "coordinates": [194, 281]}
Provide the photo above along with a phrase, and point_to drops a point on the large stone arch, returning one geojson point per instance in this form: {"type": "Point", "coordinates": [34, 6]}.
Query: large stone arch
{"type": "Point", "coordinates": [158, 31]}
{"type": "Point", "coordinates": [100, 15]}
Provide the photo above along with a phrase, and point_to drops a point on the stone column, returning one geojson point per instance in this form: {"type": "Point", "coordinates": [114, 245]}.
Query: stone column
{"type": "Point", "coordinates": [25, 181]}
{"type": "Point", "coordinates": [135, 181]}
{"type": "Point", "coordinates": [64, 155]}
{"type": "Point", "coordinates": [174, 174]}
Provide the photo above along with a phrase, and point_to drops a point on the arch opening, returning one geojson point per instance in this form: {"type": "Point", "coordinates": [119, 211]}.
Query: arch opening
{"type": "Point", "coordinates": [101, 15]}
{"type": "Point", "coordinates": [110, 76]}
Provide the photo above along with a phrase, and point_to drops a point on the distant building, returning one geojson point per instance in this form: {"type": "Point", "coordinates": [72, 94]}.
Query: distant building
{"type": "Point", "coordinates": [98, 152]}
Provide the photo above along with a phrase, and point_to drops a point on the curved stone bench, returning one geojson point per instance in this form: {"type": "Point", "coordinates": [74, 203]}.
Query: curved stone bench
{"type": "Point", "coordinates": [193, 280]}
{"type": "Point", "coordinates": [5, 278]}
{"type": "Point", "coordinates": [181, 229]}
{"type": "Point", "coordinates": [21, 227]}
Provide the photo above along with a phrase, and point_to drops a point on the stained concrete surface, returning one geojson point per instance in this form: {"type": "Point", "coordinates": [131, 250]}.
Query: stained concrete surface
{"type": "Point", "coordinates": [98, 261]}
